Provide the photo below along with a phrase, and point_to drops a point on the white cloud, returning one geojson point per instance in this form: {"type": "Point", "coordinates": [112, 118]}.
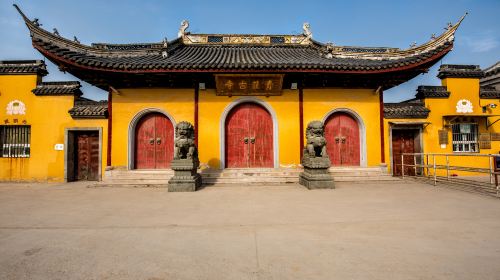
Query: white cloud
{"type": "Point", "coordinates": [481, 44]}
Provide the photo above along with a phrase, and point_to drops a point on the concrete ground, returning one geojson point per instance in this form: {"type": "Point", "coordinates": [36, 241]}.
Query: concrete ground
{"type": "Point", "coordinates": [402, 230]}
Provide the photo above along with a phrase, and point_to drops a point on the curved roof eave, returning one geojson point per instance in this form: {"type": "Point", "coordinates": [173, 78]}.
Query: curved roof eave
{"type": "Point", "coordinates": [310, 58]}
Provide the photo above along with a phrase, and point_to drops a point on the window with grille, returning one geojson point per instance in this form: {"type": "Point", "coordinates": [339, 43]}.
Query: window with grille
{"type": "Point", "coordinates": [465, 137]}
{"type": "Point", "coordinates": [15, 141]}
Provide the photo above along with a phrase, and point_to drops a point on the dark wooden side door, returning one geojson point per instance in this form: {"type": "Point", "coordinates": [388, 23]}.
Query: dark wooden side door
{"type": "Point", "coordinates": [87, 156]}
{"type": "Point", "coordinates": [154, 148]}
{"type": "Point", "coordinates": [342, 136]}
{"type": "Point", "coordinates": [403, 141]}
{"type": "Point", "coordinates": [249, 137]}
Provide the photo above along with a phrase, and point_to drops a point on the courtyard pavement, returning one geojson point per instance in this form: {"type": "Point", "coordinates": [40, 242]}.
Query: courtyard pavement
{"type": "Point", "coordinates": [401, 230]}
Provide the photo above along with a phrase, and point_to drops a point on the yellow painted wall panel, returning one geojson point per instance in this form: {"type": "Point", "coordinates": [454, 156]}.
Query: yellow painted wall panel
{"type": "Point", "coordinates": [319, 103]}
{"type": "Point", "coordinates": [211, 111]}
{"type": "Point", "coordinates": [48, 117]}
{"type": "Point", "coordinates": [177, 103]}
{"type": "Point", "coordinates": [444, 109]}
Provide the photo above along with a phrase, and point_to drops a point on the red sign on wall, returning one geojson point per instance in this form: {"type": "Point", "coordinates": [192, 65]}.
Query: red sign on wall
{"type": "Point", "coordinates": [253, 84]}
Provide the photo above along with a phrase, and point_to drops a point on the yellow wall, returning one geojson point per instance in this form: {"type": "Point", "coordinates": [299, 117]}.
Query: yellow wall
{"type": "Point", "coordinates": [127, 103]}
{"type": "Point", "coordinates": [318, 103]}
{"type": "Point", "coordinates": [48, 117]}
{"type": "Point", "coordinates": [459, 88]}
{"type": "Point", "coordinates": [179, 104]}
{"type": "Point", "coordinates": [286, 108]}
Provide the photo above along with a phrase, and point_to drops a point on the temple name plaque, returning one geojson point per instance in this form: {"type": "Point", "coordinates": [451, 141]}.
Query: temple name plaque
{"type": "Point", "coordinates": [252, 84]}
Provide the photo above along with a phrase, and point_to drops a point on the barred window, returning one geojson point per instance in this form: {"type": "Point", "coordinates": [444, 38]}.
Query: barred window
{"type": "Point", "coordinates": [15, 141]}
{"type": "Point", "coordinates": [465, 137]}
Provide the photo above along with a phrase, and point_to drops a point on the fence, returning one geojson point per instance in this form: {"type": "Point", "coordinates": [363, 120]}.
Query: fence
{"type": "Point", "coordinates": [438, 167]}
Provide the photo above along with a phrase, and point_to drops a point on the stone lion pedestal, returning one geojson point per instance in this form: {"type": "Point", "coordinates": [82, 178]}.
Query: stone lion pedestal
{"type": "Point", "coordinates": [186, 177]}
{"type": "Point", "coordinates": [315, 159]}
{"type": "Point", "coordinates": [316, 174]}
{"type": "Point", "coordinates": [185, 163]}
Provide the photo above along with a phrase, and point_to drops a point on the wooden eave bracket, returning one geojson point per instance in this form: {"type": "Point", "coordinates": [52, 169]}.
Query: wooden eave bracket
{"type": "Point", "coordinates": [114, 90]}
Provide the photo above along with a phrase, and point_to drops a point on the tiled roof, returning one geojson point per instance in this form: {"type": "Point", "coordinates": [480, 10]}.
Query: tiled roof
{"type": "Point", "coordinates": [489, 92]}
{"type": "Point", "coordinates": [58, 88]}
{"type": "Point", "coordinates": [209, 53]}
{"type": "Point", "coordinates": [492, 70]}
{"type": "Point", "coordinates": [432, 92]}
{"type": "Point", "coordinates": [23, 67]}
{"type": "Point", "coordinates": [460, 71]}
{"type": "Point", "coordinates": [89, 109]}
{"type": "Point", "coordinates": [405, 111]}
{"type": "Point", "coordinates": [202, 58]}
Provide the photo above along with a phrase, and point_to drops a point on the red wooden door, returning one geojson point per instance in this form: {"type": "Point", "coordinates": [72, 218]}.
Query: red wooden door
{"type": "Point", "coordinates": [154, 147]}
{"type": "Point", "coordinates": [342, 136]}
{"type": "Point", "coordinates": [249, 137]}
{"type": "Point", "coordinates": [87, 156]}
{"type": "Point", "coordinates": [403, 141]}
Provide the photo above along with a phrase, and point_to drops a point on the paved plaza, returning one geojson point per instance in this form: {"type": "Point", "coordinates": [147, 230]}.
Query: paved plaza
{"type": "Point", "coordinates": [401, 230]}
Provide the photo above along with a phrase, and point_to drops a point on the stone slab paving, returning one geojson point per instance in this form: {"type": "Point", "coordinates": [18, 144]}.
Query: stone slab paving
{"type": "Point", "coordinates": [384, 231]}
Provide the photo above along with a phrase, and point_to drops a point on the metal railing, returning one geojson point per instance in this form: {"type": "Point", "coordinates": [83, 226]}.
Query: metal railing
{"type": "Point", "coordinates": [428, 164]}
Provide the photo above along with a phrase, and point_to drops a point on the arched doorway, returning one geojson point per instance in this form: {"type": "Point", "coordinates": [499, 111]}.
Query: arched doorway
{"type": "Point", "coordinates": [154, 147]}
{"type": "Point", "coordinates": [249, 137]}
{"type": "Point", "coordinates": [343, 141]}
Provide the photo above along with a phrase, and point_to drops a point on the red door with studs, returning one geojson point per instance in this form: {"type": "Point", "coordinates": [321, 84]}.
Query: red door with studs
{"type": "Point", "coordinates": [342, 136]}
{"type": "Point", "coordinates": [154, 136]}
{"type": "Point", "coordinates": [403, 141]}
{"type": "Point", "coordinates": [249, 137]}
{"type": "Point", "coordinates": [87, 156]}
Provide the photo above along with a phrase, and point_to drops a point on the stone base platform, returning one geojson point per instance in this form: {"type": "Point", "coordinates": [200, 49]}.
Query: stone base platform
{"type": "Point", "coordinates": [316, 173]}
{"type": "Point", "coordinates": [186, 178]}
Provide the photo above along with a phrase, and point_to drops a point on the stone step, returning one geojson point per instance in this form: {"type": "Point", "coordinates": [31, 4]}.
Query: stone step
{"type": "Point", "coordinates": [239, 176]}
{"type": "Point", "coordinates": [131, 185]}
{"type": "Point", "coordinates": [270, 180]}
{"type": "Point", "coordinates": [364, 179]}
{"type": "Point", "coordinates": [142, 177]}
{"type": "Point", "coordinates": [249, 175]}
{"type": "Point", "coordinates": [347, 169]}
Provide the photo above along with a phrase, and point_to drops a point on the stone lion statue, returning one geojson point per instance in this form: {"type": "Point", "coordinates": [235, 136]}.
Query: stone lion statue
{"type": "Point", "coordinates": [316, 142]}
{"type": "Point", "coordinates": [184, 141]}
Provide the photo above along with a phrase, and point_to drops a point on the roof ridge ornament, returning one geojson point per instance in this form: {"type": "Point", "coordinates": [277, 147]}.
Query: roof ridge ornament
{"type": "Point", "coordinates": [164, 52]}
{"type": "Point", "coordinates": [307, 30]}
{"type": "Point", "coordinates": [182, 29]}
{"type": "Point", "coordinates": [36, 23]}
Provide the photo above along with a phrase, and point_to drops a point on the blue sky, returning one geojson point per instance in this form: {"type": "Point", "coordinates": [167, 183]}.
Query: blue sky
{"type": "Point", "coordinates": [358, 23]}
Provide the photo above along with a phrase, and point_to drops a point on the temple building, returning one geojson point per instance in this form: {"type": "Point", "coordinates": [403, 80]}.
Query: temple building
{"type": "Point", "coordinates": [249, 97]}
{"type": "Point", "coordinates": [459, 117]}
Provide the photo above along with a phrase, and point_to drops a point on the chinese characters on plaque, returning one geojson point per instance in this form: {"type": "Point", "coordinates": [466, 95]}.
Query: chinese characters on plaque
{"type": "Point", "coordinates": [253, 84]}
{"type": "Point", "coordinates": [15, 121]}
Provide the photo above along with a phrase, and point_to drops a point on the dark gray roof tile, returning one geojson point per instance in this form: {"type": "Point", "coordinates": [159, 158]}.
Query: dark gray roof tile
{"type": "Point", "coordinates": [58, 88]}
{"type": "Point", "coordinates": [89, 109]}
{"type": "Point", "coordinates": [405, 111]}
{"type": "Point", "coordinates": [489, 92]}
{"type": "Point", "coordinates": [21, 67]}
{"type": "Point", "coordinates": [460, 71]}
{"type": "Point", "coordinates": [432, 92]}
